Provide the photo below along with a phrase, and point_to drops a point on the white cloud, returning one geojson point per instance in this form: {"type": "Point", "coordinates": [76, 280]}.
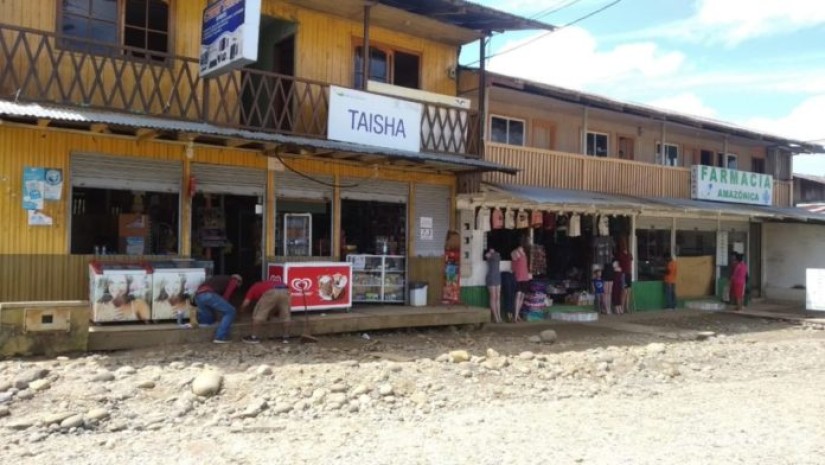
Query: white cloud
{"type": "Point", "coordinates": [731, 22]}
{"type": "Point", "coordinates": [804, 122]}
{"type": "Point", "coordinates": [569, 58]}
{"type": "Point", "coordinates": [687, 103]}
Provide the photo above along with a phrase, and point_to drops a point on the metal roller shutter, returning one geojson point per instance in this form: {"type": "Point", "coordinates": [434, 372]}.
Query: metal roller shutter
{"type": "Point", "coordinates": [375, 190]}
{"type": "Point", "coordinates": [431, 202]}
{"type": "Point", "coordinates": [291, 185]}
{"type": "Point", "coordinates": [696, 224]}
{"type": "Point", "coordinates": [125, 173]}
{"type": "Point", "coordinates": [235, 180]}
{"type": "Point", "coordinates": [654, 222]}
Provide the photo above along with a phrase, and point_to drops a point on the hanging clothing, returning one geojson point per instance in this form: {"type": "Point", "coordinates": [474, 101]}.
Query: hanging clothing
{"type": "Point", "coordinates": [575, 226]}
{"type": "Point", "coordinates": [483, 220]}
{"type": "Point", "coordinates": [522, 219]}
{"type": "Point", "coordinates": [604, 226]}
{"type": "Point", "coordinates": [549, 221]}
{"type": "Point", "coordinates": [497, 219]}
{"type": "Point", "coordinates": [493, 277]}
{"type": "Point", "coordinates": [536, 219]}
{"type": "Point", "coordinates": [510, 219]}
{"type": "Point", "coordinates": [538, 260]}
{"type": "Point", "coordinates": [519, 265]}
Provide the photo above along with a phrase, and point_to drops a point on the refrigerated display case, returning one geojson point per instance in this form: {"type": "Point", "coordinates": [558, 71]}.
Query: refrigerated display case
{"type": "Point", "coordinates": [315, 285]}
{"type": "Point", "coordinates": [378, 278]}
{"type": "Point", "coordinates": [120, 292]}
{"type": "Point", "coordinates": [298, 234]}
{"type": "Point", "coordinates": [174, 282]}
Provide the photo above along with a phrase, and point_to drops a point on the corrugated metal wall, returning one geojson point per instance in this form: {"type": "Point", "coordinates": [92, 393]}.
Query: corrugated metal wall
{"type": "Point", "coordinates": [432, 202]}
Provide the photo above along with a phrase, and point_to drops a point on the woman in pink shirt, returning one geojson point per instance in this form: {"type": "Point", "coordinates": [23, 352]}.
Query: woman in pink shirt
{"type": "Point", "coordinates": [738, 277]}
{"type": "Point", "coordinates": [522, 275]}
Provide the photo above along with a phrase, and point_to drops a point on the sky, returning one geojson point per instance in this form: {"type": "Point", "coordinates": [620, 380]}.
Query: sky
{"type": "Point", "coordinates": [754, 63]}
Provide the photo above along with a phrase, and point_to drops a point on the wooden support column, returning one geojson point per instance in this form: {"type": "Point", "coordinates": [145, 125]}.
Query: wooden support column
{"type": "Point", "coordinates": [366, 60]}
{"type": "Point", "coordinates": [411, 230]}
{"type": "Point", "coordinates": [482, 93]}
{"type": "Point", "coordinates": [270, 211]}
{"type": "Point", "coordinates": [336, 219]}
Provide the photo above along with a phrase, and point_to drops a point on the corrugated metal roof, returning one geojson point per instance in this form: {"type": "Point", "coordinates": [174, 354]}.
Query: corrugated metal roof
{"type": "Point", "coordinates": [468, 15]}
{"type": "Point", "coordinates": [82, 115]}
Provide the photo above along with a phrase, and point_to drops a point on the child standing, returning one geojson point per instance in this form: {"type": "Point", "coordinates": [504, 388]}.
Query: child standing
{"type": "Point", "coordinates": [618, 288]}
{"type": "Point", "coordinates": [598, 291]}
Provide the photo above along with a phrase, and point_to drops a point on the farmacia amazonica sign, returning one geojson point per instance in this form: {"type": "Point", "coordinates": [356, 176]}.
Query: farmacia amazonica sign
{"type": "Point", "coordinates": [733, 186]}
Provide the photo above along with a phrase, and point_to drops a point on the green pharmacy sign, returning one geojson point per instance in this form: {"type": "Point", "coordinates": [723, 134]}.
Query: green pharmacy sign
{"type": "Point", "coordinates": [732, 186]}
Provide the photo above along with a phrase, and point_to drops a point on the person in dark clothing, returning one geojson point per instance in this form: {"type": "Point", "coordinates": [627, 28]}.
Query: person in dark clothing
{"type": "Point", "coordinates": [213, 296]}
{"type": "Point", "coordinates": [618, 288]}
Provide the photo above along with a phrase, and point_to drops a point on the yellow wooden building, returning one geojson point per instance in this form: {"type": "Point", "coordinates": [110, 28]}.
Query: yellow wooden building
{"type": "Point", "coordinates": [109, 95]}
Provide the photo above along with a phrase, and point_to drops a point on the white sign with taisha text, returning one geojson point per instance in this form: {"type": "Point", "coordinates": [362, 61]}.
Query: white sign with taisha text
{"type": "Point", "coordinates": [376, 120]}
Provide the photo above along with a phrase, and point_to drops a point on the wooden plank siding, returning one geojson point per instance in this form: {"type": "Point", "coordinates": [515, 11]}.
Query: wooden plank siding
{"type": "Point", "coordinates": [547, 168]}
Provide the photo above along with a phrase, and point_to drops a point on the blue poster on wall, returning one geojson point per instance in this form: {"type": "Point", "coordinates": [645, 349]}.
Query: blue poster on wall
{"type": "Point", "coordinates": [34, 186]}
{"type": "Point", "coordinates": [229, 38]}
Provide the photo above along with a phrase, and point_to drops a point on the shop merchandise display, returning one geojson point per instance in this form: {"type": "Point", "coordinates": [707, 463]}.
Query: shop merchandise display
{"type": "Point", "coordinates": [522, 219]}
{"type": "Point", "coordinates": [575, 228]}
{"type": "Point", "coordinates": [604, 226]}
{"type": "Point", "coordinates": [377, 278]}
{"type": "Point", "coordinates": [510, 219]}
{"type": "Point", "coordinates": [497, 219]}
{"type": "Point", "coordinates": [483, 220]}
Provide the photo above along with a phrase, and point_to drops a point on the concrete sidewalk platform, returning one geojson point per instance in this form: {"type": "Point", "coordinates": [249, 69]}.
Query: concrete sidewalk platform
{"type": "Point", "coordinates": [359, 319]}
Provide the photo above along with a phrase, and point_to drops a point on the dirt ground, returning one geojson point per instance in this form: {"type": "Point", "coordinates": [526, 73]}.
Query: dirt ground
{"type": "Point", "coordinates": [680, 387]}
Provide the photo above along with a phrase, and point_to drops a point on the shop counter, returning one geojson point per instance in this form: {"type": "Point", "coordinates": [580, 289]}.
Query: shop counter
{"type": "Point", "coordinates": [315, 285]}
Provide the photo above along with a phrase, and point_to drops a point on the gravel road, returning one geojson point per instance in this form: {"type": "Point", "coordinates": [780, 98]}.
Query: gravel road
{"type": "Point", "coordinates": [746, 391]}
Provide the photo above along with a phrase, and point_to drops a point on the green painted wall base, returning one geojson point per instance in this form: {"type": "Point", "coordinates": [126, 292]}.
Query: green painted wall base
{"type": "Point", "coordinates": [475, 296]}
{"type": "Point", "coordinates": [649, 295]}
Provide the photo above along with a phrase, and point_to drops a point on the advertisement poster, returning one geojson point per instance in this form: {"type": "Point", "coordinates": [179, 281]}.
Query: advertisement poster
{"type": "Point", "coordinates": [323, 285]}
{"type": "Point", "coordinates": [54, 184]}
{"type": "Point", "coordinates": [38, 218]}
{"type": "Point", "coordinates": [229, 38]}
{"type": "Point", "coordinates": [34, 184]}
{"type": "Point", "coordinates": [815, 289]}
{"type": "Point", "coordinates": [172, 290]}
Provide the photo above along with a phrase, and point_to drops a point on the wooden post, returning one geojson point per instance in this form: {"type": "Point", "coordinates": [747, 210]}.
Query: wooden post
{"type": "Point", "coordinates": [336, 219]}
{"type": "Point", "coordinates": [482, 93]}
{"type": "Point", "coordinates": [270, 212]}
{"type": "Point", "coordinates": [185, 233]}
{"type": "Point", "coordinates": [366, 60]}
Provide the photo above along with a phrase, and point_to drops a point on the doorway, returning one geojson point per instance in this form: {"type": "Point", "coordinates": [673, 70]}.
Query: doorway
{"type": "Point", "coordinates": [268, 101]}
{"type": "Point", "coordinates": [228, 230]}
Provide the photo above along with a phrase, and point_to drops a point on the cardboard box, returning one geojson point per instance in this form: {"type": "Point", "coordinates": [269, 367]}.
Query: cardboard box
{"type": "Point", "coordinates": [134, 245]}
{"type": "Point", "coordinates": [133, 224]}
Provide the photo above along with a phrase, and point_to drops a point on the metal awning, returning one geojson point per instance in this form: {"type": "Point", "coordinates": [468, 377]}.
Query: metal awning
{"type": "Point", "coordinates": [172, 129]}
{"type": "Point", "coordinates": [566, 200]}
{"type": "Point", "coordinates": [468, 15]}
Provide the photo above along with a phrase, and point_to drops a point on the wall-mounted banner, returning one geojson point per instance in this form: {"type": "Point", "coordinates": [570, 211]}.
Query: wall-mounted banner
{"type": "Point", "coordinates": [371, 119]}
{"type": "Point", "coordinates": [229, 38]}
{"type": "Point", "coordinates": [54, 184]}
{"type": "Point", "coordinates": [34, 185]}
{"type": "Point", "coordinates": [732, 186]}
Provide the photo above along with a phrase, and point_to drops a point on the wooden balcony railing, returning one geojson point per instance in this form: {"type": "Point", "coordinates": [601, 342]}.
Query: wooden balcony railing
{"type": "Point", "coordinates": [34, 67]}
{"type": "Point", "coordinates": [545, 168]}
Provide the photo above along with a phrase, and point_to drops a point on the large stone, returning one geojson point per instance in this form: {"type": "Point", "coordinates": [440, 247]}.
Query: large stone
{"type": "Point", "coordinates": [74, 421]}
{"type": "Point", "coordinates": [385, 390]}
{"type": "Point", "coordinates": [492, 353]}
{"type": "Point", "coordinates": [21, 424]}
{"type": "Point", "coordinates": [527, 355]}
{"type": "Point", "coordinates": [126, 370]}
{"type": "Point", "coordinates": [207, 384]}
{"type": "Point", "coordinates": [40, 385]}
{"type": "Point", "coordinates": [548, 336]}
{"type": "Point", "coordinates": [97, 414]}
{"type": "Point", "coordinates": [419, 398]}
{"type": "Point", "coordinates": [103, 377]}
{"type": "Point", "coordinates": [336, 398]}
{"type": "Point", "coordinates": [338, 387]}
{"type": "Point", "coordinates": [24, 379]}
{"type": "Point", "coordinates": [458, 356]}
{"type": "Point", "coordinates": [4, 411]}
{"type": "Point", "coordinates": [146, 384]}
{"type": "Point", "coordinates": [534, 339]}
{"type": "Point", "coordinates": [5, 386]}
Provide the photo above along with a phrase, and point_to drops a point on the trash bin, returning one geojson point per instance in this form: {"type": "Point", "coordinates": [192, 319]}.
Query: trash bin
{"type": "Point", "coordinates": [418, 293]}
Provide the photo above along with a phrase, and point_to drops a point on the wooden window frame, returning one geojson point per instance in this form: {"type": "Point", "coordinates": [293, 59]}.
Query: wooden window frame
{"type": "Point", "coordinates": [118, 48]}
{"type": "Point", "coordinates": [508, 118]}
{"type": "Point", "coordinates": [390, 51]}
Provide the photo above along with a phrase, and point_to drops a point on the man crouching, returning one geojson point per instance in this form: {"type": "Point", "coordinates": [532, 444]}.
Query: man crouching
{"type": "Point", "coordinates": [270, 295]}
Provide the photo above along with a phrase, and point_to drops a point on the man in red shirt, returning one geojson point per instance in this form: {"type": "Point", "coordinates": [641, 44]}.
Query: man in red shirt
{"type": "Point", "coordinates": [213, 297]}
{"type": "Point", "coordinates": [270, 295]}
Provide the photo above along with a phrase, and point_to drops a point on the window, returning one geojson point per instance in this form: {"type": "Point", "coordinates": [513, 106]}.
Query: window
{"type": "Point", "coordinates": [695, 243]}
{"type": "Point", "coordinates": [506, 130]}
{"type": "Point", "coordinates": [652, 245]}
{"type": "Point", "coordinates": [388, 66]}
{"type": "Point", "coordinates": [102, 221]}
{"type": "Point", "coordinates": [706, 158]}
{"type": "Point", "coordinates": [671, 154]}
{"type": "Point", "coordinates": [597, 144]}
{"type": "Point", "coordinates": [731, 161]}
{"type": "Point", "coordinates": [100, 26]}
{"type": "Point", "coordinates": [758, 165]}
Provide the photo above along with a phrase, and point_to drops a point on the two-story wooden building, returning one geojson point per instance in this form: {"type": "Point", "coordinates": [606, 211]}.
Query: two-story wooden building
{"type": "Point", "coordinates": [106, 125]}
{"type": "Point", "coordinates": [609, 175]}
